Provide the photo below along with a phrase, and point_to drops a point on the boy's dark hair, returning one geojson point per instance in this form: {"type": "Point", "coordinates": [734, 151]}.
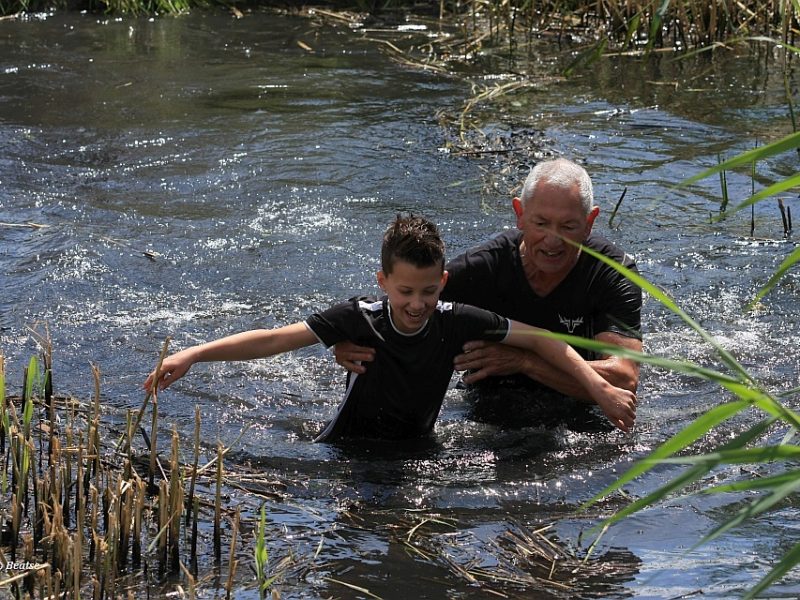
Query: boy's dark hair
{"type": "Point", "coordinates": [414, 240]}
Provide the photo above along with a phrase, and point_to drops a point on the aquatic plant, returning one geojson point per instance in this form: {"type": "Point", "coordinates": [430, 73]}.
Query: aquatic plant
{"type": "Point", "coordinates": [81, 516]}
{"type": "Point", "coordinates": [629, 25]}
{"type": "Point", "coordinates": [261, 555]}
{"type": "Point", "coordinates": [779, 478]}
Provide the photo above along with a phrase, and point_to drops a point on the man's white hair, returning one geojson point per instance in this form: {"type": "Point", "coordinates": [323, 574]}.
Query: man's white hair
{"type": "Point", "coordinates": [561, 173]}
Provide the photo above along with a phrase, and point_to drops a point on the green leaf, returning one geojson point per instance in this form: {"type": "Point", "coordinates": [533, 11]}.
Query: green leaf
{"type": "Point", "coordinates": [691, 433]}
{"type": "Point", "coordinates": [690, 475]}
{"type": "Point", "coordinates": [664, 299]}
{"type": "Point", "coordinates": [759, 483]}
{"type": "Point", "coordinates": [788, 263]}
{"type": "Point", "coordinates": [261, 553]}
{"type": "Point", "coordinates": [681, 366]}
{"type": "Point", "coordinates": [740, 456]}
{"type": "Point", "coordinates": [753, 509]}
{"type": "Point", "coordinates": [775, 188]}
{"type": "Point", "coordinates": [789, 560]}
{"type": "Point", "coordinates": [790, 142]}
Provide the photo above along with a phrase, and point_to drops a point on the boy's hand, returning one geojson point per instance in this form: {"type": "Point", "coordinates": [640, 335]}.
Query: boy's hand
{"type": "Point", "coordinates": [347, 353]}
{"type": "Point", "coordinates": [619, 406]}
{"type": "Point", "coordinates": [173, 368]}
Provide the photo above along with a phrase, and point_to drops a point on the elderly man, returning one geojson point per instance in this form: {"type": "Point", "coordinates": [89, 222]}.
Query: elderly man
{"type": "Point", "coordinates": [532, 274]}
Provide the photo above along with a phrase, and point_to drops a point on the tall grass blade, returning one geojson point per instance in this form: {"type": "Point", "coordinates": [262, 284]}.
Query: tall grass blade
{"type": "Point", "coordinates": [669, 303]}
{"type": "Point", "coordinates": [790, 142]}
{"type": "Point", "coordinates": [690, 434]}
{"type": "Point", "coordinates": [737, 457]}
{"type": "Point", "coordinates": [690, 475]}
{"type": "Point", "coordinates": [753, 509]}
{"type": "Point", "coordinates": [760, 483]}
{"type": "Point", "coordinates": [789, 560]}
{"type": "Point", "coordinates": [787, 264]}
{"type": "Point", "coordinates": [776, 188]}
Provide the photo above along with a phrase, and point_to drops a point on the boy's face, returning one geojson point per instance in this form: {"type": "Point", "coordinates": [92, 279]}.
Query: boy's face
{"type": "Point", "coordinates": [413, 293]}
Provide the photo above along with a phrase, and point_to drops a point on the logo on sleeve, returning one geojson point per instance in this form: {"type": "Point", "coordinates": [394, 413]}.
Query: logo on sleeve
{"type": "Point", "coordinates": [570, 324]}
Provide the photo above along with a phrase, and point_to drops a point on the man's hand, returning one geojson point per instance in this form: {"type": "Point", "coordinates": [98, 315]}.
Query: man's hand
{"type": "Point", "coordinates": [487, 359]}
{"type": "Point", "coordinates": [347, 353]}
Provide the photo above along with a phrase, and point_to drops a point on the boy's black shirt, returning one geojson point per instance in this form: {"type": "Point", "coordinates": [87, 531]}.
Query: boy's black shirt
{"type": "Point", "coordinates": [402, 390]}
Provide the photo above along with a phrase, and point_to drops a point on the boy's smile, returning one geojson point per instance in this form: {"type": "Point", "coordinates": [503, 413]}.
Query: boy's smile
{"type": "Point", "coordinates": [413, 293]}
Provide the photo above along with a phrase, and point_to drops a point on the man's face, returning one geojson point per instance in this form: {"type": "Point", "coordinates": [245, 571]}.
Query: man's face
{"type": "Point", "coordinates": [551, 214]}
{"type": "Point", "coordinates": [413, 293]}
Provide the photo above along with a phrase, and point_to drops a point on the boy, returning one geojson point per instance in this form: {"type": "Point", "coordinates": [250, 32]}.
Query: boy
{"type": "Point", "coordinates": [416, 338]}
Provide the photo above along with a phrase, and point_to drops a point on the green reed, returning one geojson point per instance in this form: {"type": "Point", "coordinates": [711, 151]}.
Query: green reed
{"type": "Point", "coordinates": [751, 447]}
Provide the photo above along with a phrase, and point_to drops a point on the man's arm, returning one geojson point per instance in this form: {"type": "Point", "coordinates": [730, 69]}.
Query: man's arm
{"type": "Point", "coordinates": [350, 356]}
{"type": "Point", "coordinates": [487, 359]}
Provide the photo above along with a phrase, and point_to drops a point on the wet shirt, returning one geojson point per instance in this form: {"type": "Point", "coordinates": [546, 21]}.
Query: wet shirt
{"type": "Point", "coordinates": [592, 299]}
{"type": "Point", "coordinates": [400, 394]}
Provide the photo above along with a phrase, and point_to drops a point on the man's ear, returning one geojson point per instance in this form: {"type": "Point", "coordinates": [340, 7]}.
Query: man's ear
{"type": "Point", "coordinates": [443, 282]}
{"type": "Point", "coordinates": [516, 204]}
{"type": "Point", "coordinates": [381, 277]}
{"type": "Point", "coordinates": [590, 219]}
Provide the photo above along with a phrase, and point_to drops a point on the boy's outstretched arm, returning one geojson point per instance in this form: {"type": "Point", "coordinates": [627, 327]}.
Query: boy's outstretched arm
{"type": "Point", "coordinates": [257, 343]}
{"type": "Point", "coordinates": [619, 405]}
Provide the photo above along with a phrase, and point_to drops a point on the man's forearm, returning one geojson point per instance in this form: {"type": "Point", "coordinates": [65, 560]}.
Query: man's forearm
{"type": "Point", "coordinates": [612, 369]}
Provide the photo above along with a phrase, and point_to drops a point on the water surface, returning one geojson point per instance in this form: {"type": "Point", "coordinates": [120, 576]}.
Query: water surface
{"type": "Point", "coordinates": [201, 175]}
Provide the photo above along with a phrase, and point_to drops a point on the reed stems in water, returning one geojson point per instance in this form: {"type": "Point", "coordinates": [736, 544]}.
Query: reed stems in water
{"type": "Point", "coordinates": [232, 562]}
{"type": "Point", "coordinates": [196, 461]}
{"type": "Point", "coordinates": [176, 505]}
{"type": "Point", "coordinates": [218, 506]}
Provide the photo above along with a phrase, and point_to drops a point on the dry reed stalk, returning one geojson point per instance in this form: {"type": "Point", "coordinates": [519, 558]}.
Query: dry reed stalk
{"type": "Point", "coordinates": [99, 559]}
{"type": "Point", "coordinates": [56, 584]}
{"type": "Point", "coordinates": [125, 521]}
{"type": "Point", "coordinates": [55, 460]}
{"type": "Point", "coordinates": [151, 393]}
{"type": "Point", "coordinates": [67, 477]}
{"type": "Point", "coordinates": [218, 506]}
{"type": "Point", "coordinates": [129, 455]}
{"type": "Point", "coordinates": [196, 460]}
{"type": "Point", "coordinates": [176, 505]}
{"type": "Point", "coordinates": [195, 511]}
{"type": "Point", "coordinates": [77, 563]}
{"type": "Point", "coordinates": [232, 562]}
{"type": "Point", "coordinates": [27, 545]}
{"type": "Point", "coordinates": [138, 512]}
{"type": "Point", "coordinates": [153, 443]}
{"type": "Point", "coordinates": [192, 582]}
{"type": "Point", "coordinates": [80, 501]}
{"type": "Point", "coordinates": [163, 522]}
{"type": "Point", "coordinates": [95, 501]}
{"type": "Point", "coordinates": [38, 527]}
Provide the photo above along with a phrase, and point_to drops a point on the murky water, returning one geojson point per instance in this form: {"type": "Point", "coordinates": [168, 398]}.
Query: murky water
{"type": "Point", "coordinates": [201, 175]}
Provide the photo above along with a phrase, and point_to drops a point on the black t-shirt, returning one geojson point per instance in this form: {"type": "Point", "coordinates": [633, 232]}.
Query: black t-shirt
{"type": "Point", "coordinates": [402, 391]}
{"type": "Point", "coordinates": [592, 299]}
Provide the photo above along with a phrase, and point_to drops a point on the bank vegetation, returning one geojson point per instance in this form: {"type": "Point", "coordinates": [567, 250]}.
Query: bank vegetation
{"type": "Point", "coordinates": [632, 25]}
